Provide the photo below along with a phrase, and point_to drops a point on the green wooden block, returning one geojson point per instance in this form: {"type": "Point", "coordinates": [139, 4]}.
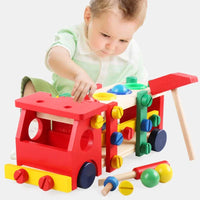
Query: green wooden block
{"type": "Point", "coordinates": [144, 100]}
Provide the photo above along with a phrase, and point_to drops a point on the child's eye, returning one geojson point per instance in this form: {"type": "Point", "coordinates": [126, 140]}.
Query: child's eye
{"type": "Point", "coordinates": [124, 41]}
{"type": "Point", "coordinates": [105, 35]}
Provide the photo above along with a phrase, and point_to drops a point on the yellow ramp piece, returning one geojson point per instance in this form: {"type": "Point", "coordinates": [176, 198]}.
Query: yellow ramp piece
{"type": "Point", "coordinates": [61, 183]}
{"type": "Point", "coordinates": [132, 122]}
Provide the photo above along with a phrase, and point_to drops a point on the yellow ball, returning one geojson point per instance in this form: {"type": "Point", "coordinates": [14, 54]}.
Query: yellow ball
{"type": "Point", "coordinates": [126, 187]}
{"type": "Point", "coordinates": [165, 172]}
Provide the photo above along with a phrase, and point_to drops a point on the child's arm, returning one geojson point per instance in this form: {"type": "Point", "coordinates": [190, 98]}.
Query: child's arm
{"type": "Point", "coordinates": [60, 62]}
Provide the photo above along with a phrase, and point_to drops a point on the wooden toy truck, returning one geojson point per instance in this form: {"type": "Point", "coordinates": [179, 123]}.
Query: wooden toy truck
{"type": "Point", "coordinates": [73, 141]}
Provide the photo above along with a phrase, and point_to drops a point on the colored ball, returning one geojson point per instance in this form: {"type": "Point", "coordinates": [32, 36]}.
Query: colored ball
{"type": "Point", "coordinates": [150, 178]}
{"type": "Point", "coordinates": [126, 187]}
{"type": "Point", "coordinates": [165, 172]}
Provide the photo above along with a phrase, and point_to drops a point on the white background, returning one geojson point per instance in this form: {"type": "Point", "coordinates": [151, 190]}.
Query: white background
{"type": "Point", "coordinates": [170, 41]}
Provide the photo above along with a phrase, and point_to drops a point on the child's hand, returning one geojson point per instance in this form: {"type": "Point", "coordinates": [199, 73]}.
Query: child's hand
{"type": "Point", "coordinates": [83, 85]}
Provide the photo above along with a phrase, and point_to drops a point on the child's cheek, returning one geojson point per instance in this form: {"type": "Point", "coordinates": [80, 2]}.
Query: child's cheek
{"type": "Point", "coordinates": [121, 49]}
{"type": "Point", "coordinates": [97, 43]}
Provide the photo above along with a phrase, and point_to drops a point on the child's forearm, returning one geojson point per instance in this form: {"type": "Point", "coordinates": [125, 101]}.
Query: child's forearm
{"type": "Point", "coordinates": [60, 62]}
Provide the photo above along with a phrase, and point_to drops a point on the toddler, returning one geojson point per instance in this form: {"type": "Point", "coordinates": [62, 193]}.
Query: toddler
{"type": "Point", "coordinates": [100, 50]}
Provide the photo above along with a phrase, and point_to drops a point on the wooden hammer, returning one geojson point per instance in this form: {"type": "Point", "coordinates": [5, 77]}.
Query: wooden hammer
{"type": "Point", "coordinates": [172, 82]}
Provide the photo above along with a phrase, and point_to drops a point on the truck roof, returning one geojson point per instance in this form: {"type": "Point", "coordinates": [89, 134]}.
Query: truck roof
{"type": "Point", "coordinates": [62, 106]}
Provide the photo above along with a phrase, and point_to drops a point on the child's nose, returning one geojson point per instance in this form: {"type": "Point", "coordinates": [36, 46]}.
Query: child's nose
{"type": "Point", "coordinates": [111, 46]}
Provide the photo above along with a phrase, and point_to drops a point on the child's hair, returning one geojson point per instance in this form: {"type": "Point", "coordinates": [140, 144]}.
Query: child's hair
{"type": "Point", "coordinates": [131, 9]}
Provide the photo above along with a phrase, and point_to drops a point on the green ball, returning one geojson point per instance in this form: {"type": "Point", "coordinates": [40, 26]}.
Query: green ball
{"type": "Point", "coordinates": [150, 178]}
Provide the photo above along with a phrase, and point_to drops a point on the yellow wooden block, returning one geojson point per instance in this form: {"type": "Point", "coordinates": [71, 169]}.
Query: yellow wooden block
{"type": "Point", "coordinates": [61, 183]}
{"type": "Point", "coordinates": [132, 122]}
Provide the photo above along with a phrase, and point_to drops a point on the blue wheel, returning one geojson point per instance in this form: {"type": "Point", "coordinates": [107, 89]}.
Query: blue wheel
{"type": "Point", "coordinates": [86, 175]}
{"type": "Point", "coordinates": [157, 139]}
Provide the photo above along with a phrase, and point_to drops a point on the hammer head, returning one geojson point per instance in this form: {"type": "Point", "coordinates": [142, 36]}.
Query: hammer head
{"type": "Point", "coordinates": [170, 82]}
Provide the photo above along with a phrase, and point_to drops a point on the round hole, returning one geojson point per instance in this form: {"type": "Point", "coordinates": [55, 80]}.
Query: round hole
{"type": "Point", "coordinates": [104, 96]}
{"type": "Point", "coordinates": [39, 101]}
{"type": "Point", "coordinates": [135, 86]}
{"type": "Point", "coordinates": [35, 129]}
{"type": "Point", "coordinates": [86, 140]}
{"type": "Point", "coordinates": [67, 107]}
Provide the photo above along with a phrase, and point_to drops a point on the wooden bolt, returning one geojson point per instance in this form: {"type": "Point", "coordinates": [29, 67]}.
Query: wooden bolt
{"type": "Point", "coordinates": [21, 176]}
{"type": "Point", "coordinates": [145, 148]}
{"type": "Point", "coordinates": [116, 138]}
{"type": "Point", "coordinates": [46, 183]}
{"type": "Point", "coordinates": [126, 188]}
{"type": "Point", "coordinates": [147, 100]}
{"type": "Point", "coordinates": [116, 161]}
{"type": "Point", "coordinates": [97, 121]}
{"type": "Point", "coordinates": [128, 133]}
{"type": "Point", "coordinates": [117, 112]}
{"type": "Point", "coordinates": [155, 120]}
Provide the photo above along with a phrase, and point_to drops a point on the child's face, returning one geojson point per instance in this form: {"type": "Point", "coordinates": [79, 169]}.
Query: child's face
{"type": "Point", "coordinates": [109, 34]}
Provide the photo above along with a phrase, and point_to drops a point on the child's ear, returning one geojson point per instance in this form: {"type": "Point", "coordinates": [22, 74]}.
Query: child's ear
{"type": "Point", "coordinates": [87, 15]}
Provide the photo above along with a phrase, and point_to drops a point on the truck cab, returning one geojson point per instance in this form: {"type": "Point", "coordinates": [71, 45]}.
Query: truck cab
{"type": "Point", "coordinates": [56, 135]}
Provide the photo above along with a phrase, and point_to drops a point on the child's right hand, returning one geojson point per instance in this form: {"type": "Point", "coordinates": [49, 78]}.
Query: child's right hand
{"type": "Point", "coordinates": [83, 85]}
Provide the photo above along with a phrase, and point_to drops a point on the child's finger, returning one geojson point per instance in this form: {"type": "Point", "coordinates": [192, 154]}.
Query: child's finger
{"type": "Point", "coordinates": [78, 92]}
{"type": "Point", "coordinates": [92, 90]}
{"type": "Point", "coordinates": [83, 93]}
{"type": "Point", "coordinates": [75, 88]}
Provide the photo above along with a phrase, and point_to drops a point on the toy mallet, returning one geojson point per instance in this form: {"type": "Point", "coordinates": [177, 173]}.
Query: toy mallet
{"type": "Point", "coordinates": [172, 82]}
{"type": "Point", "coordinates": [111, 182]}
